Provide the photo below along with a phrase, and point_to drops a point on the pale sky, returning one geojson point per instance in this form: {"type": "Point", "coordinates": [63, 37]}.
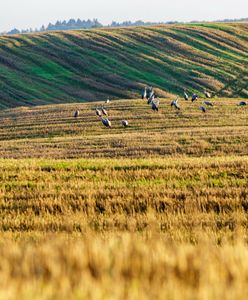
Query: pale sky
{"type": "Point", "coordinates": [24, 14]}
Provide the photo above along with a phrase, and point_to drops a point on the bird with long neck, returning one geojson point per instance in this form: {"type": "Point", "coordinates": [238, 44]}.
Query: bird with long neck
{"type": "Point", "coordinates": [150, 93]}
{"type": "Point", "coordinates": [208, 103]}
{"type": "Point", "coordinates": [207, 94]}
{"type": "Point", "coordinates": [185, 95]}
{"type": "Point", "coordinates": [98, 112]}
{"type": "Point", "coordinates": [203, 109]}
{"type": "Point", "coordinates": [242, 103]}
{"type": "Point", "coordinates": [104, 112]}
{"type": "Point", "coordinates": [76, 114]}
{"type": "Point", "coordinates": [106, 122]}
{"type": "Point", "coordinates": [194, 97]}
{"type": "Point", "coordinates": [124, 123]}
{"type": "Point", "coordinates": [144, 93]}
{"type": "Point", "coordinates": [175, 104]}
{"type": "Point", "coordinates": [155, 104]}
{"type": "Point", "coordinates": [149, 101]}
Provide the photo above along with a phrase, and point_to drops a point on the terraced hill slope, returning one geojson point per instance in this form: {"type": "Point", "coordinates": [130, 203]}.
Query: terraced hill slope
{"type": "Point", "coordinates": [53, 132]}
{"type": "Point", "coordinates": [89, 65]}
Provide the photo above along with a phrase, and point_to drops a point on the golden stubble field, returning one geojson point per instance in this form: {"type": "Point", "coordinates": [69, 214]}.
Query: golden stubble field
{"type": "Point", "coordinates": [53, 132]}
{"type": "Point", "coordinates": [154, 211]}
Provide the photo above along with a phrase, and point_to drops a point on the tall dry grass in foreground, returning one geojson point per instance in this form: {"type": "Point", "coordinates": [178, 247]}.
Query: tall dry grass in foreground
{"type": "Point", "coordinates": [162, 228]}
{"type": "Point", "coordinates": [123, 267]}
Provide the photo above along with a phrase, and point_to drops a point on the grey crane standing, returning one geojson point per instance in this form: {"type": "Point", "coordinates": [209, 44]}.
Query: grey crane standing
{"type": "Point", "coordinates": [106, 122]}
{"type": "Point", "coordinates": [124, 123]}
{"type": "Point", "coordinates": [149, 101]}
{"type": "Point", "coordinates": [185, 95]}
{"type": "Point", "coordinates": [207, 94]}
{"type": "Point", "coordinates": [76, 114]}
{"type": "Point", "coordinates": [242, 103]}
{"type": "Point", "coordinates": [194, 97]}
{"type": "Point", "coordinates": [144, 93]}
{"type": "Point", "coordinates": [150, 92]}
{"type": "Point", "coordinates": [155, 104]}
{"type": "Point", "coordinates": [104, 112]}
{"type": "Point", "coordinates": [208, 103]}
{"type": "Point", "coordinates": [175, 104]}
{"type": "Point", "coordinates": [98, 112]}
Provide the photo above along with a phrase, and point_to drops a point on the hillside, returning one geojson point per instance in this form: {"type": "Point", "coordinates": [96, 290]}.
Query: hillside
{"type": "Point", "coordinates": [53, 132]}
{"type": "Point", "coordinates": [89, 65]}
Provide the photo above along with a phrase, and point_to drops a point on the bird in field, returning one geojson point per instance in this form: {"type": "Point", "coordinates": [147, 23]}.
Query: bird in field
{"type": "Point", "coordinates": [149, 101]}
{"type": "Point", "coordinates": [207, 94]}
{"type": "Point", "coordinates": [155, 104]}
{"type": "Point", "coordinates": [144, 93]}
{"type": "Point", "coordinates": [98, 112]}
{"type": "Point", "coordinates": [242, 103]}
{"type": "Point", "coordinates": [124, 123]}
{"type": "Point", "coordinates": [106, 122]}
{"type": "Point", "coordinates": [76, 114]}
{"type": "Point", "coordinates": [107, 101]}
{"type": "Point", "coordinates": [185, 95]}
{"type": "Point", "coordinates": [203, 109]}
{"type": "Point", "coordinates": [150, 92]}
{"type": "Point", "coordinates": [175, 104]}
{"type": "Point", "coordinates": [104, 112]}
{"type": "Point", "coordinates": [194, 97]}
{"type": "Point", "coordinates": [208, 103]}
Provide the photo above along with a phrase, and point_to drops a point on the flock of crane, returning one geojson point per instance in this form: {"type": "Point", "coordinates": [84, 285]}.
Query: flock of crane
{"type": "Point", "coordinates": [149, 94]}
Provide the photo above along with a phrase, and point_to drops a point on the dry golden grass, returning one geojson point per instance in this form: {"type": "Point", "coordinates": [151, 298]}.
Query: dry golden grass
{"type": "Point", "coordinates": [163, 228]}
{"type": "Point", "coordinates": [125, 267]}
{"type": "Point", "coordinates": [159, 211]}
{"type": "Point", "coordinates": [53, 132]}
{"type": "Point", "coordinates": [187, 195]}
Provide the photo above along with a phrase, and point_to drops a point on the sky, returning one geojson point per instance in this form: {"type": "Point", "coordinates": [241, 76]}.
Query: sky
{"type": "Point", "coordinates": [23, 14]}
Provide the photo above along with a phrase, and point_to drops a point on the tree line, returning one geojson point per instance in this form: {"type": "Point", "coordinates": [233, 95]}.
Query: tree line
{"type": "Point", "coordinates": [87, 24]}
{"type": "Point", "coordinates": [82, 24]}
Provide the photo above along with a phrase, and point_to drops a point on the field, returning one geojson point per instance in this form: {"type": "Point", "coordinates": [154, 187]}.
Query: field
{"type": "Point", "coordinates": [53, 132]}
{"type": "Point", "coordinates": [90, 65]}
{"type": "Point", "coordinates": [157, 210]}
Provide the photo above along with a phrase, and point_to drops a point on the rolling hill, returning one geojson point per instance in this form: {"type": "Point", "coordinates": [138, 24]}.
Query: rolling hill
{"type": "Point", "coordinates": [90, 65]}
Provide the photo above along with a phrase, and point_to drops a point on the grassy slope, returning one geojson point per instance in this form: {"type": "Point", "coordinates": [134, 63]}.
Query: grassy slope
{"type": "Point", "coordinates": [89, 65]}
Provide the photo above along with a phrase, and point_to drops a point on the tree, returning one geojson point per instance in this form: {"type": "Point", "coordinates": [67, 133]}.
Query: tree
{"type": "Point", "coordinates": [42, 28]}
{"type": "Point", "coordinates": [14, 31]}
